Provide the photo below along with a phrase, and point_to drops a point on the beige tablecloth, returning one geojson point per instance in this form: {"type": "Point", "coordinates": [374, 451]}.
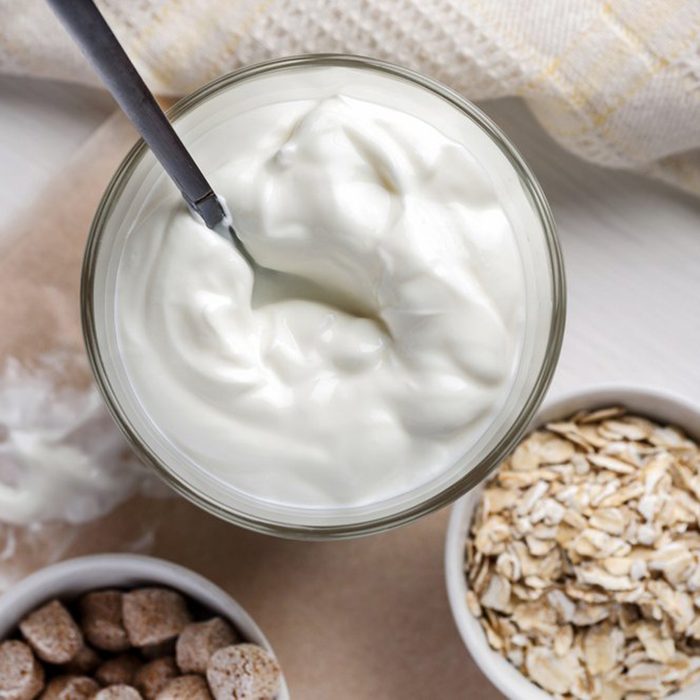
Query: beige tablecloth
{"type": "Point", "coordinates": [361, 619]}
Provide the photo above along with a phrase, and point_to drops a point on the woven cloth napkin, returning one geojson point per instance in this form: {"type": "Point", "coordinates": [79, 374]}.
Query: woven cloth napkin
{"type": "Point", "coordinates": [616, 82]}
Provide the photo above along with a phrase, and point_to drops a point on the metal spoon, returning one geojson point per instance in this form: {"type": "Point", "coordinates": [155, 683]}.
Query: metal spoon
{"type": "Point", "coordinates": [97, 41]}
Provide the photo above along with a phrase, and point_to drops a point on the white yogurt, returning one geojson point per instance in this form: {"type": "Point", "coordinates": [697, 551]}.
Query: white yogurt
{"type": "Point", "coordinates": [381, 377]}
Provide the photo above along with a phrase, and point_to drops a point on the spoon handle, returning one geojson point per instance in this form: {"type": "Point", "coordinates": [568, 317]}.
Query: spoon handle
{"type": "Point", "coordinates": [97, 41]}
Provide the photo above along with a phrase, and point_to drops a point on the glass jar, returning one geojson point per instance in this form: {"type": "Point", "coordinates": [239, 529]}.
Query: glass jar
{"type": "Point", "coordinates": [123, 204]}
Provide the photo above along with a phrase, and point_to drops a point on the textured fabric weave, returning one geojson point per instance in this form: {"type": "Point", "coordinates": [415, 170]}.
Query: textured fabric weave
{"type": "Point", "coordinates": [616, 82]}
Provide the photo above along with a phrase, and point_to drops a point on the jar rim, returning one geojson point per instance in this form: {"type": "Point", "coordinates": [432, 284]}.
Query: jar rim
{"type": "Point", "coordinates": [467, 480]}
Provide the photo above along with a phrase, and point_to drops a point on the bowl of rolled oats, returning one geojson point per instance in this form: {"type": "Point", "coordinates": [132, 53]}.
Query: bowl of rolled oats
{"type": "Point", "coordinates": [574, 572]}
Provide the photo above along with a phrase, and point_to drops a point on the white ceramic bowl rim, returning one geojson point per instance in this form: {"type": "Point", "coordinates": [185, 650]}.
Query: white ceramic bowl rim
{"type": "Point", "coordinates": [72, 577]}
{"type": "Point", "coordinates": [659, 404]}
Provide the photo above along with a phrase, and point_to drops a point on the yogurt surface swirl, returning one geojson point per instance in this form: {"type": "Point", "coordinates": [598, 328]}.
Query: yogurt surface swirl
{"type": "Point", "coordinates": [375, 374]}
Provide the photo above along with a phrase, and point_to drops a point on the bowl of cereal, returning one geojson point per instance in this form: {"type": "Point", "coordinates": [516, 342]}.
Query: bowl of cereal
{"type": "Point", "coordinates": [127, 627]}
{"type": "Point", "coordinates": [574, 571]}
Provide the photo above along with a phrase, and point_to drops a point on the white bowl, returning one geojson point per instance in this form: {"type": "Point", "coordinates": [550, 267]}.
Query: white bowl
{"type": "Point", "coordinates": [654, 404]}
{"type": "Point", "coordinates": [71, 578]}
